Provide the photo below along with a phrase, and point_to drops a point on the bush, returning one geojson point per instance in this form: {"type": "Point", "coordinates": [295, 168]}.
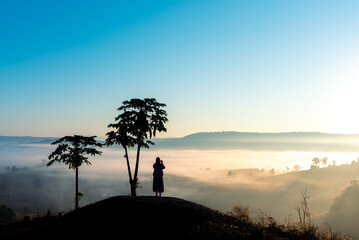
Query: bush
{"type": "Point", "coordinates": [241, 213]}
{"type": "Point", "coordinates": [271, 229]}
{"type": "Point", "coordinates": [6, 214]}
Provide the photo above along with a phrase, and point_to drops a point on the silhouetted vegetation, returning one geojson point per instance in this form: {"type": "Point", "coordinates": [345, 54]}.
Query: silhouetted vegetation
{"type": "Point", "coordinates": [71, 151]}
{"type": "Point", "coordinates": [344, 212]}
{"type": "Point", "coordinates": [271, 229]}
{"type": "Point", "coordinates": [137, 122]}
{"type": "Point", "coordinates": [6, 214]}
{"type": "Point", "coordinates": [174, 218]}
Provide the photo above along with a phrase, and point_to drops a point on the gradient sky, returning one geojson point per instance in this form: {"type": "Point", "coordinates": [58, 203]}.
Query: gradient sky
{"type": "Point", "coordinates": [267, 66]}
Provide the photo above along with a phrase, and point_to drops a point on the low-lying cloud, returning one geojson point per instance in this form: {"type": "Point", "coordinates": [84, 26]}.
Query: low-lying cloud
{"type": "Point", "coordinates": [219, 179]}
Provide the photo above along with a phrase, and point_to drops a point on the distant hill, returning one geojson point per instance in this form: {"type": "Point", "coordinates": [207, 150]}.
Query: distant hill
{"type": "Point", "coordinates": [26, 140]}
{"type": "Point", "coordinates": [287, 141]}
{"type": "Point", "coordinates": [142, 218]}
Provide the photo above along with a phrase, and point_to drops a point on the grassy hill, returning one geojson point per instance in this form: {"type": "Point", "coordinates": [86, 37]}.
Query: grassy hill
{"type": "Point", "coordinates": [143, 217]}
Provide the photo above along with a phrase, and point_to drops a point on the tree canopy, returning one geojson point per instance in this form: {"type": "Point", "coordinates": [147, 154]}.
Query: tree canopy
{"type": "Point", "coordinates": [71, 151]}
{"type": "Point", "coordinates": [139, 120]}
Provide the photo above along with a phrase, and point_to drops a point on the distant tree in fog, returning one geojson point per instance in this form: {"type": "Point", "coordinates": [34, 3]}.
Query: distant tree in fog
{"type": "Point", "coordinates": [138, 121]}
{"type": "Point", "coordinates": [315, 162]}
{"type": "Point", "coordinates": [71, 151]}
{"type": "Point", "coordinates": [324, 161]}
{"type": "Point", "coordinates": [297, 168]}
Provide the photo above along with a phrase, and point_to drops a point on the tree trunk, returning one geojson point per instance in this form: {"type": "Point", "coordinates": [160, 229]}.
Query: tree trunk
{"type": "Point", "coordinates": [77, 189]}
{"type": "Point", "coordinates": [137, 162]}
{"type": "Point", "coordinates": [135, 178]}
{"type": "Point", "coordinates": [128, 165]}
{"type": "Point", "coordinates": [133, 184]}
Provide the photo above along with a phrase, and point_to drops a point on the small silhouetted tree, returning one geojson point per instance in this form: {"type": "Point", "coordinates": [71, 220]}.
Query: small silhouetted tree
{"type": "Point", "coordinates": [297, 168]}
{"type": "Point", "coordinates": [71, 151]}
{"type": "Point", "coordinates": [6, 214]}
{"type": "Point", "coordinates": [138, 121]}
{"type": "Point", "coordinates": [324, 161]}
{"type": "Point", "coordinates": [315, 162]}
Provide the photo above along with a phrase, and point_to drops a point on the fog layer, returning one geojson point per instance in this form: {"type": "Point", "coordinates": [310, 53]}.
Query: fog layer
{"type": "Point", "coordinates": [219, 179]}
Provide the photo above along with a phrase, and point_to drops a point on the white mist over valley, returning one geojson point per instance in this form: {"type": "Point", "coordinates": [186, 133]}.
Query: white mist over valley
{"type": "Point", "coordinates": [219, 170]}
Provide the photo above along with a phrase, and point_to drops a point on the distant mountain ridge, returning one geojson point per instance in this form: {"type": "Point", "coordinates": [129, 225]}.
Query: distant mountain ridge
{"type": "Point", "coordinates": [226, 140]}
{"type": "Point", "coordinates": [26, 140]}
{"type": "Point", "coordinates": [286, 141]}
{"type": "Point", "coordinates": [269, 134]}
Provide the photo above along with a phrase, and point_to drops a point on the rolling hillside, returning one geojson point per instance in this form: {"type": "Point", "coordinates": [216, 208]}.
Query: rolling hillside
{"type": "Point", "coordinates": [140, 218]}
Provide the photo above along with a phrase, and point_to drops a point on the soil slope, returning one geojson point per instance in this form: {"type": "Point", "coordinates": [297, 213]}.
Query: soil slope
{"type": "Point", "coordinates": [125, 217]}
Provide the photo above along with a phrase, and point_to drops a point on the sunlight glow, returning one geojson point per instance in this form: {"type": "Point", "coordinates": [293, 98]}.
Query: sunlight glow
{"type": "Point", "coordinates": [345, 114]}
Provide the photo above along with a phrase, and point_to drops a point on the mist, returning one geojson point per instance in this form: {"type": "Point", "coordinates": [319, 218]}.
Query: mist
{"type": "Point", "coordinates": [219, 178]}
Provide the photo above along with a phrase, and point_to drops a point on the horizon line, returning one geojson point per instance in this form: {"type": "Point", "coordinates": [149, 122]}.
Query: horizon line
{"type": "Point", "coordinates": [209, 132]}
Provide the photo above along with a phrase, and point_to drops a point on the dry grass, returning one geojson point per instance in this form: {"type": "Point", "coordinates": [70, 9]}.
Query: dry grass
{"type": "Point", "coordinates": [273, 230]}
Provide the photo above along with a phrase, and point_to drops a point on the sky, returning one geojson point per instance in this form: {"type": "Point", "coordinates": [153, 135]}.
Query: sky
{"type": "Point", "coordinates": [252, 66]}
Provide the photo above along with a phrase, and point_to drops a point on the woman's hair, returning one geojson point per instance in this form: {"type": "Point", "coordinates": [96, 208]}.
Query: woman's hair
{"type": "Point", "coordinates": [158, 161]}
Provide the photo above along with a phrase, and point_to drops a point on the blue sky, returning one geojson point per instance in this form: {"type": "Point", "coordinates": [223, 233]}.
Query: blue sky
{"type": "Point", "coordinates": [267, 66]}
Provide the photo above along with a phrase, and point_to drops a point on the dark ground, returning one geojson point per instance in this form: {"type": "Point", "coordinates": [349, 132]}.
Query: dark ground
{"type": "Point", "coordinates": [125, 217]}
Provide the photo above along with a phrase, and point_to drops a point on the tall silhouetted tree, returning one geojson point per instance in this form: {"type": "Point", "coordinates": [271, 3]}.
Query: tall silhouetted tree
{"type": "Point", "coordinates": [71, 151]}
{"type": "Point", "coordinates": [138, 121]}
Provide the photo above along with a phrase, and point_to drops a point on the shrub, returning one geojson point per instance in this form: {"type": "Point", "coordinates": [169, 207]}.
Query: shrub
{"type": "Point", "coordinates": [6, 214]}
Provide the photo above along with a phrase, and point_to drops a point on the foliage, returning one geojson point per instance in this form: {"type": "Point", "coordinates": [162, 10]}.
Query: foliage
{"type": "Point", "coordinates": [316, 162]}
{"type": "Point", "coordinates": [72, 150]}
{"type": "Point", "coordinates": [304, 229]}
{"type": "Point", "coordinates": [241, 213]}
{"type": "Point", "coordinates": [6, 214]}
{"type": "Point", "coordinates": [139, 120]}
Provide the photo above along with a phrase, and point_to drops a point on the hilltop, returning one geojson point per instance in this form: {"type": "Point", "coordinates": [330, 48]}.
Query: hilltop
{"type": "Point", "coordinates": [140, 218]}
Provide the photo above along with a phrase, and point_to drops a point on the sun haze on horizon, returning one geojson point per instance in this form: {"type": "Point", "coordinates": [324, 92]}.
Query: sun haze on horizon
{"type": "Point", "coordinates": [250, 66]}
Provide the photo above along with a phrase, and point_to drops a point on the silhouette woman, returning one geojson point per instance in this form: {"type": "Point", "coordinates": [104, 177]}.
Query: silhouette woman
{"type": "Point", "coordinates": [157, 186]}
